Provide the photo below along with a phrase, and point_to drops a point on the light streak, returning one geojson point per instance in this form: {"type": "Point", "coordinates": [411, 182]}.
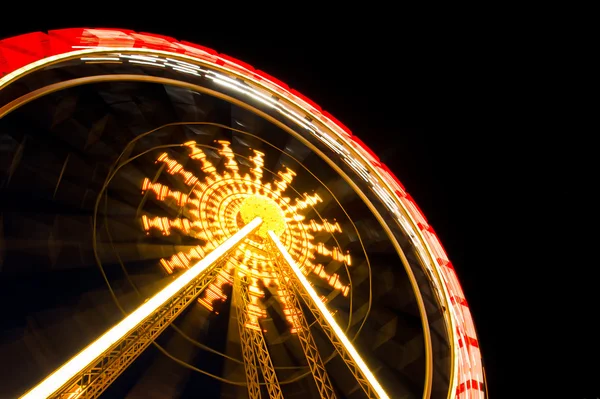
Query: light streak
{"type": "Point", "coordinates": [83, 359]}
{"type": "Point", "coordinates": [146, 63]}
{"type": "Point", "coordinates": [100, 59]}
{"type": "Point", "coordinates": [212, 211]}
{"type": "Point", "coordinates": [339, 333]}
{"type": "Point", "coordinates": [332, 133]}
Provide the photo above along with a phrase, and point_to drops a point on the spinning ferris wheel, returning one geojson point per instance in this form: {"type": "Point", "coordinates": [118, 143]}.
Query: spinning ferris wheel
{"type": "Point", "coordinates": [228, 237]}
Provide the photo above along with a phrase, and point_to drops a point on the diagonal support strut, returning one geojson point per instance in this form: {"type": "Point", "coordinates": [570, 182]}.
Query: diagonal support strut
{"type": "Point", "coordinates": [93, 369]}
{"type": "Point", "coordinates": [307, 341]}
{"type": "Point", "coordinates": [342, 344]}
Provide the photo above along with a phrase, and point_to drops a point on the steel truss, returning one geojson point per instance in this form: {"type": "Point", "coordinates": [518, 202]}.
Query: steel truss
{"type": "Point", "coordinates": [90, 378]}
{"type": "Point", "coordinates": [93, 380]}
{"type": "Point", "coordinates": [307, 341]}
{"type": "Point", "coordinates": [254, 347]}
{"type": "Point", "coordinates": [88, 374]}
{"type": "Point", "coordinates": [246, 341]}
{"type": "Point", "coordinates": [278, 253]}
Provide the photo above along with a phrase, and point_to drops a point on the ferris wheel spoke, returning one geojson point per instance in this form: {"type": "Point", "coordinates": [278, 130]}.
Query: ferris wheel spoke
{"type": "Point", "coordinates": [342, 344]}
{"type": "Point", "coordinates": [93, 369]}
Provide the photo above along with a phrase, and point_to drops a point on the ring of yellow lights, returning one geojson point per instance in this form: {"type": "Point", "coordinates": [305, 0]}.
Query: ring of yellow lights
{"type": "Point", "coordinates": [228, 224]}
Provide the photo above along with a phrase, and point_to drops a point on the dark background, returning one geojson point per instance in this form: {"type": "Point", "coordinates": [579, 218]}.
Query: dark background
{"type": "Point", "coordinates": [401, 88]}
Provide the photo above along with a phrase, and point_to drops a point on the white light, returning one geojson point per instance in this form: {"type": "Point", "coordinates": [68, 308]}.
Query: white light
{"type": "Point", "coordinates": [183, 69]}
{"type": "Point", "coordinates": [186, 64]}
{"type": "Point", "coordinates": [329, 318]}
{"type": "Point", "coordinates": [233, 84]}
{"type": "Point", "coordinates": [140, 57]}
{"type": "Point", "coordinates": [287, 113]}
{"type": "Point", "coordinates": [146, 63]}
{"type": "Point", "coordinates": [100, 59]}
{"type": "Point", "coordinates": [239, 89]}
{"type": "Point", "coordinates": [93, 351]}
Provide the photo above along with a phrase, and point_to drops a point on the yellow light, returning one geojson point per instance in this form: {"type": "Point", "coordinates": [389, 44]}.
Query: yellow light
{"type": "Point", "coordinates": [93, 351]}
{"type": "Point", "coordinates": [268, 210]}
{"type": "Point", "coordinates": [329, 318]}
{"type": "Point", "coordinates": [213, 207]}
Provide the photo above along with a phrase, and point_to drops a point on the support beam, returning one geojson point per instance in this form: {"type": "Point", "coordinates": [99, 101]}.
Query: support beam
{"type": "Point", "coordinates": [307, 341]}
{"type": "Point", "coordinates": [342, 344]}
{"type": "Point", "coordinates": [93, 369]}
{"type": "Point", "coordinates": [245, 340]}
{"type": "Point", "coordinates": [253, 338]}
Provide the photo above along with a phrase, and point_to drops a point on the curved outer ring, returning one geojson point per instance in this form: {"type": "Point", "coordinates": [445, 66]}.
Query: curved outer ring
{"type": "Point", "coordinates": [22, 54]}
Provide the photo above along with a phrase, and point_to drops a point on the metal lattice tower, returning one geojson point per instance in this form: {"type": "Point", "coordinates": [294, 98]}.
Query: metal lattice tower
{"type": "Point", "coordinates": [89, 373]}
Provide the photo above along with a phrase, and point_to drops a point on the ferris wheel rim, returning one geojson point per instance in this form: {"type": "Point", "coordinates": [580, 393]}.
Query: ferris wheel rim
{"type": "Point", "coordinates": [304, 103]}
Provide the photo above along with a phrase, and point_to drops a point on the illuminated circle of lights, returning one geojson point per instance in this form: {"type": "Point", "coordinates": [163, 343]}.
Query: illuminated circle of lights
{"type": "Point", "coordinates": [218, 205]}
{"type": "Point", "coordinates": [268, 210]}
{"type": "Point", "coordinates": [23, 54]}
{"type": "Point", "coordinates": [302, 202]}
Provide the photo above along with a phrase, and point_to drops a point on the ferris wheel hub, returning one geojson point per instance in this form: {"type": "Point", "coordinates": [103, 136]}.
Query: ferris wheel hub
{"type": "Point", "coordinates": [268, 210]}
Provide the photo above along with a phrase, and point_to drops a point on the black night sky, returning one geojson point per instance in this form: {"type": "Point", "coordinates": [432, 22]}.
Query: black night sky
{"type": "Point", "coordinates": [399, 90]}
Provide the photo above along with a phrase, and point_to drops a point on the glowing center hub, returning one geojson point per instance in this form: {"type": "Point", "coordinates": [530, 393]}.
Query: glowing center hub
{"type": "Point", "coordinates": [271, 214]}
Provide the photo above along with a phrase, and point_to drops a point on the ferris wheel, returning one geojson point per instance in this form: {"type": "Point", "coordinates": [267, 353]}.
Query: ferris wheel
{"type": "Point", "coordinates": [188, 225]}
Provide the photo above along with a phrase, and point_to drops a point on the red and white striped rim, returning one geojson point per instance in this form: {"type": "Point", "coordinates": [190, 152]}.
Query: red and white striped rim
{"type": "Point", "coordinates": [22, 53]}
